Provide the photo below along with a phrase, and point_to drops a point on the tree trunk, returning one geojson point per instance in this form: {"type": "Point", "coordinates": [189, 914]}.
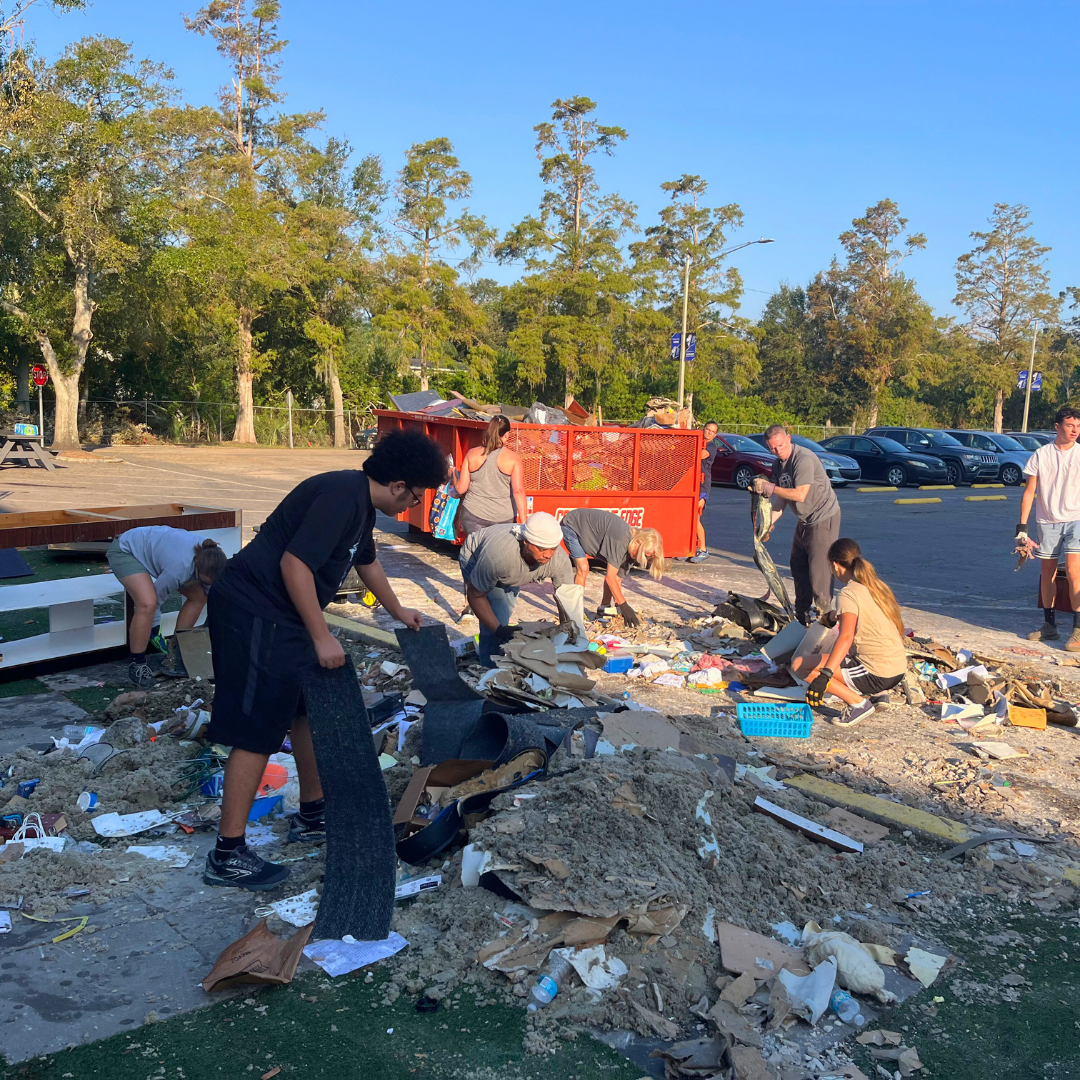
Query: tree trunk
{"type": "Point", "coordinates": [423, 379]}
{"type": "Point", "coordinates": [872, 414]}
{"type": "Point", "coordinates": [339, 412]}
{"type": "Point", "coordinates": [568, 392]}
{"type": "Point", "coordinates": [244, 432]}
{"type": "Point", "coordinates": [22, 382]}
{"type": "Point", "coordinates": [999, 399]}
{"type": "Point", "coordinates": [66, 428]}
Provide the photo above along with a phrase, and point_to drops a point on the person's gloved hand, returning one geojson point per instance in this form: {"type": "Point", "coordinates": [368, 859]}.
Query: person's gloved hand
{"type": "Point", "coordinates": [1022, 538]}
{"type": "Point", "coordinates": [764, 487]}
{"type": "Point", "coordinates": [630, 616]}
{"type": "Point", "coordinates": [505, 633]}
{"type": "Point", "coordinates": [815, 692]}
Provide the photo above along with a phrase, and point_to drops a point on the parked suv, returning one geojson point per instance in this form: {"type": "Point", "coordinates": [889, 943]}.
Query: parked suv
{"type": "Point", "coordinates": [964, 465]}
{"type": "Point", "coordinates": [1012, 455]}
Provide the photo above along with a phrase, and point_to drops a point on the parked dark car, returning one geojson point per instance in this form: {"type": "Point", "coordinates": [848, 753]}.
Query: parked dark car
{"type": "Point", "coordinates": [1031, 440]}
{"type": "Point", "coordinates": [739, 460]}
{"type": "Point", "coordinates": [965, 465]}
{"type": "Point", "coordinates": [1028, 440]}
{"type": "Point", "coordinates": [1012, 455]}
{"type": "Point", "coordinates": [839, 469]}
{"type": "Point", "coordinates": [886, 460]}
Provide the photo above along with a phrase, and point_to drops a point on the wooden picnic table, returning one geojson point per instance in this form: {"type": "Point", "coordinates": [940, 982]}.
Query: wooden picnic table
{"type": "Point", "coordinates": [24, 449]}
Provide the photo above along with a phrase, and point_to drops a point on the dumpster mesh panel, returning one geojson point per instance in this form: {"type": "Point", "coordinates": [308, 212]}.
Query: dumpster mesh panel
{"type": "Point", "coordinates": [543, 455]}
{"type": "Point", "coordinates": [603, 460]}
{"type": "Point", "coordinates": [665, 460]}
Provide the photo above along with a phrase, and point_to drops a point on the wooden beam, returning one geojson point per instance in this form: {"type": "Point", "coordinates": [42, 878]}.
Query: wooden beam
{"type": "Point", "coordinates": [888, 813]}
{"type": "Point", "coordinates": [368, 633]}
{"type": "Point", "coordinates": [807, 827]}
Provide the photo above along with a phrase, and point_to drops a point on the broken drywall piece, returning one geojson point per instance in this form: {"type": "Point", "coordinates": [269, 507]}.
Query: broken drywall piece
{"type": "Point", "coordinates": [596, 969]}
{"type": "Point", "coordinates": [740, 990]}
{"type": "Point", "coordinates": [999, 750]}
{"type": "Point", "coordinates": [924, 966]}
{"type": "Point", "coordinates": [809, 995]}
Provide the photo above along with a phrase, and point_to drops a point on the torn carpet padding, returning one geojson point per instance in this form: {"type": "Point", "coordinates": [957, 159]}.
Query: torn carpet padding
{"type": "Point", "coordinates": [761, 513]}
{"type": "Point", "coordinates": [361, 867]}
{"type": "Point", "coordinates": [453, 707]}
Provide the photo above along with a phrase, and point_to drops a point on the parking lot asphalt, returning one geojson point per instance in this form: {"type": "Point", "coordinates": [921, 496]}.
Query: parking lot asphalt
{"type": "Point", "coordinates": [951, 558]}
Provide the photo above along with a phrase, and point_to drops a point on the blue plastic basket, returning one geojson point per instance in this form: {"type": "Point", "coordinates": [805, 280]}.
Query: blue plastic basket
{"type": "Point", "coordinates": [776, 721]}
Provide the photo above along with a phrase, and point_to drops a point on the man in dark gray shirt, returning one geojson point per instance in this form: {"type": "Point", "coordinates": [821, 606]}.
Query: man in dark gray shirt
{"type": "Point", "coordinates": [799, 480]}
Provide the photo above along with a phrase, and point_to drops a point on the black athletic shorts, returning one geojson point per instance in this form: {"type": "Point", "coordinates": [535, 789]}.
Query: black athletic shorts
{"type": "Point", "coordinates": [854, 673]}
{"type": "Point", "coordinates": [257, 666]}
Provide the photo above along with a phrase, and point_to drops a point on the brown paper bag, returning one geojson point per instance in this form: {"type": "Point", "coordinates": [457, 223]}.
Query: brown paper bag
{"type": "Point", "coordinates": [258, 957]}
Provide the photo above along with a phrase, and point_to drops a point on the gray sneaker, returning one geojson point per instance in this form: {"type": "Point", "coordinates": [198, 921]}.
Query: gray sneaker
{"type": "Point", "coordinates": [700, 556]}
{"type": "Point", "coordinates": [854, 713]}
{"type": "Point", "coordinates": [140, 675]}
{"type": "Point", "coordinates": [1073, 644]}
{"type": "Point", "coordinates": [1047, 632]}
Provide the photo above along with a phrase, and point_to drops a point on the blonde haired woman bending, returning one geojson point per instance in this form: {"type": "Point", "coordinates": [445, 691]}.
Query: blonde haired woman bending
{"type": "Point", "coordinates": [604, 535]}
{"type": "Point", "coordinates": [869, 655]}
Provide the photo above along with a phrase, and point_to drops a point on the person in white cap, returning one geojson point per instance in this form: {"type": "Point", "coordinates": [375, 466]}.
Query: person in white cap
{"type": "Point", "coordinates": [496, 561]}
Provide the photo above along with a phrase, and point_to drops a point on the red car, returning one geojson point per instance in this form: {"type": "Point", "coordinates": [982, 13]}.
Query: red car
{"type": "Point", "coordinates": [739, 460]}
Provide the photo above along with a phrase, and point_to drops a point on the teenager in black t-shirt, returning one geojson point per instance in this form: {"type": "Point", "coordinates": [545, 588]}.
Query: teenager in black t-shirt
{"type": "Point", "coordinates": [267, 626]}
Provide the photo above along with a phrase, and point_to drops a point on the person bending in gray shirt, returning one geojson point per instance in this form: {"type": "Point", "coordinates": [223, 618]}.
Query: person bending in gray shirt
{"type": "Point", "coordinates": [496, 561]}
{"type": "Point", "coordinates": [799, 481]}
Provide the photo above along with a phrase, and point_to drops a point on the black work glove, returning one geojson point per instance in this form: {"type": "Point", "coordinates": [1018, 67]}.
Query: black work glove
{"type": "Point", "coordinates": [630, 616]}
{"type": "Point", "coordinates": [1021, 533]}
{"type": "Point", "coordinates": [505, 633]}
{"type": "Point", "coordinates": [815, 692]}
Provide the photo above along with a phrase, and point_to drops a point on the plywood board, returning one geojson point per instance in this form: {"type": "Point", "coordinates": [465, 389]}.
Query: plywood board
{"type": "Point", "coordinates": [857, 827]}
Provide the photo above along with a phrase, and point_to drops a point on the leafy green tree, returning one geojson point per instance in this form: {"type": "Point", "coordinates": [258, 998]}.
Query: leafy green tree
{"type": "Point", "coordinates": [85, 179]}
{"type": "Point", "coordinates": [1003, 285]}
{"type": "Point", "coordinates": [572, 302]}
{"type": "Point", "coordinates": [726, 346]}
{"type": "Point", "coordinates": [339, 218]}
{"type": "Point", "coordinates": [241, 241]}
{"type": "Point", "coordinates": [422, 306]}
{"type": "Point", "coordinates": [874, 317]}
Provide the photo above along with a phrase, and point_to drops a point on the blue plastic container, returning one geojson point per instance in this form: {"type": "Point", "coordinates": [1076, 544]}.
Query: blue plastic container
{"type": "Point", "coordinates": [619, 663]}
{"type": "Point", "coordinates": [266, 805]}
{"type": "Point", "coordinates": [213, 785]}
{"type": "Point", "coordinates": [776, 721]}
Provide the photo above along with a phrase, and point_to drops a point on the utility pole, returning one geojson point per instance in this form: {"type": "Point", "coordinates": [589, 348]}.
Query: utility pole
{"type": "Point", "coordinates": [1031, 373]}
{"type": "Point", "coordinates": [682, 340]}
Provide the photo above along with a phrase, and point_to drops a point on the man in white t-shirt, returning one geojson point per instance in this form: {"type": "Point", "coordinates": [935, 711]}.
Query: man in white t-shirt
{"type": "Point", "coordinates": [1053, 484]}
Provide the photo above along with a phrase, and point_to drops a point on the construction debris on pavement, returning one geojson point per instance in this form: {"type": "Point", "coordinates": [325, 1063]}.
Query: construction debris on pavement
{"type": "Point", "coordinates": [666, 858]}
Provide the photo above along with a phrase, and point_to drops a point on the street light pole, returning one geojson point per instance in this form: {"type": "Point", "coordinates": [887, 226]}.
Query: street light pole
{"type": "Point", "coordinates": [685, 303]}
{"type": "Point", "coordinates": [682, 340]}
{"type": "Point", "coordinates": [1031, 372]}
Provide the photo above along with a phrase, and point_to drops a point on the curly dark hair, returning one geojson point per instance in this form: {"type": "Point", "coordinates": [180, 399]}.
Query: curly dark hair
{"type": "Point", "coordinates": [408, 456]}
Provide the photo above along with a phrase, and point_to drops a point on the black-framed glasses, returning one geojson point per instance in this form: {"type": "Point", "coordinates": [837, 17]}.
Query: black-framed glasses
{"type": "Point", "coordinates": [417, 499]}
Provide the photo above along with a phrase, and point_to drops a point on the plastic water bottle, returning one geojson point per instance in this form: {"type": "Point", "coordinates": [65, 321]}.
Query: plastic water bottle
{"type": "Point", "coordinates": [75, 732]}
{"type": "Point", "coordinates": [847, 1008]}
{"type": "Point", "coordinates": [547, 986]}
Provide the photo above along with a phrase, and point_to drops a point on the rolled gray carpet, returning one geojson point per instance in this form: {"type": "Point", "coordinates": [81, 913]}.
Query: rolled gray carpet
{"type": "Point", "coordinates": [357, 895]}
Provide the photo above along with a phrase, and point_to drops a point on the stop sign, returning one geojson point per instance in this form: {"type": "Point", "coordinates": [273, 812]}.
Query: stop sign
{"type": "Point", "coordinates": [40, 375]}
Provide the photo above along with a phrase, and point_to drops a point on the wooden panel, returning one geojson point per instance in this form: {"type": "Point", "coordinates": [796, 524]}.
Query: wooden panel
{"type": "Point", "coordinates": [70, 616]}
{"type": "Point", "coordinates": [74, 526]}
{"type": "Point", "coordinates": [39, 594]}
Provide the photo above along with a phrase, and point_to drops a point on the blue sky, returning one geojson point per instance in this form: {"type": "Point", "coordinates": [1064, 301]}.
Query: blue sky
{"type": "Point", "coordinates": [804, 114]}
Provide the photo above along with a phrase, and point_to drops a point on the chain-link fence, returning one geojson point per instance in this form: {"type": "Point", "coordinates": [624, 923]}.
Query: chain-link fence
{"type": "Point", "coordinates": [150, 421]}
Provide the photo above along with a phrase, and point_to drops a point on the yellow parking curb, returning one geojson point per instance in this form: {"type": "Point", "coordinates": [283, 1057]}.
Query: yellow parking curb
{"type": "Point", "coordinates": [987, 485]}
{"type": "Point", "coordinates": [896, 814]}
{"type": "Point", "coordinates": [878, 489]}
{"type": "Point", "coordinates": [937, 487]}
{"type": "Point", "coordinates": [985, 498]}
{"type": "Point", "coordinates": [908, 502]}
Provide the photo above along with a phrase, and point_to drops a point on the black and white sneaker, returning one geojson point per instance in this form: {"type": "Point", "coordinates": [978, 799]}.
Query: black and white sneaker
{"type": "Point", "coordinates": [879, 700]}
{"type": "Point", "coordinates": [305, 832]}
{"type": "Point", "coordinates": [243, 869]}
{"type": "Point", "coordinates": [140, 675]}
{"type": "Point", "coordinates": [854, 714]}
